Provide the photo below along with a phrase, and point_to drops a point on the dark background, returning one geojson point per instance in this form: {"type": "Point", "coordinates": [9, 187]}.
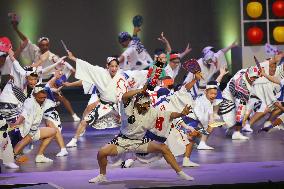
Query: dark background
{"type": "Point", "coordinates": [90, 27]}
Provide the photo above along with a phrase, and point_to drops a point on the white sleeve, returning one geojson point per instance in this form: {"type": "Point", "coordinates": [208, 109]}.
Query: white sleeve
{"type": "Point", "coordinates": [188, 78]}
{"type": "Point", "coordinates": [221, 59]}
{"type": "Point", "coordinates": [67, 70]}
{"type": "Point", "coordinates": [282, 83]}
{"type": "Point", "coordinates": [89, 73]}
{"type": "Point", "coordinates": [265, 66]}
{"type": "Point", "coordinates": [27, 109]}
{"type": "Point", "coordinates": [29, 52]}
{"type": "Point", "coordinates": [137, 78]}
{"type": "Point", "coordinates": [6, 68]}
{"type": "Point", "coordinates": [19, 69]}
{"type": "Point", "coordinates": [202, 113]}
{"type": "Point", "coordinates": [87, 87]}
{"type": "Point", "coordinates": [128, 52]}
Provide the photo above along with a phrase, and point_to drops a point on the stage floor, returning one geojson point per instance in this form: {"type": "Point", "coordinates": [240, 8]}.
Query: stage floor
{"type": "Point", "coordinates": [258, 160]}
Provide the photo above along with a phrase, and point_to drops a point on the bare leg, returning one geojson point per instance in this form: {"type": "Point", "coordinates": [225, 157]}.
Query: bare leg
{"type": "Point", "coordinates": [274, 114]}
{"type": "Point", "coordinates": [46, 135]}
{"type": "Point", "coordinates": [58, 136]}
{"type": "Point", "coordinates": [257, 116]}
{"type": "Point", "coordinates": [89, 108]}
{"type": "Point", "coordinates": [20, 145]}
{"type": "Point", "coordinates": [66, 103]}
{"type": "Point", "coordinates": [188, 149]}
{"type": "Point", "coordinates": [154, 147]}
{"type": "Point", "coordinates": [107, 150]}
{"type": "Point", "coordinates": [82, 126]}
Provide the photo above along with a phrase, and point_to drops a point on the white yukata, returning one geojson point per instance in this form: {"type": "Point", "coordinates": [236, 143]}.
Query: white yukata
{"type": "Point", "coordinates": [263, 94]}
{"type": "Point", "coordinates": [236, 96]}
{"type": "Point", "coordinates": [110, 90]}
{"type": "Point", "coordinates": [91, 90]}
{"type": "Point", "coordinates": [51, 114]}
{"type": "Point", "coordinates": [33, 114]}
{"type": "Point", "coordinates": [172, 73]}
{"type": "Point", "coordinates": [5, 69]}
{"type": "Point", "coordinates": [165, 130]}
{"type": "Point", "coordinates": [136, 56]}
{"type": "Point", "coordinates": [14, 93]}
{"type": "Point", "coordinates": [203, 110]}
{"type": "Point", "coordinates": [207, 73]}
{"type": "Point", "coordinates": [136, 78]}
{"type": "Point", "coordinates": [6, 149]}
{"type": "Point", "coordinates": [32, 53]}
{"type": "Point", "coordinates": [134, 127]}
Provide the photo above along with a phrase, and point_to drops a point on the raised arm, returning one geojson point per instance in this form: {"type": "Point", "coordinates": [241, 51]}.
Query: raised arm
{"type": "Point", "coordinates": [128, 95]}
{"type": "Point", "coordinates": [276, 58]}
{"type": "Point", "coordinates": [21, 48]}
{"type": "Point", "coordinates": [226, 49]}
{"type": "Point", "coordinates": [49, 68]}
{"type": "Point", "coordinates": [196, 78]}
{"type": "Point", "coordinates": [223, 72]}
{"type": "Point", "coordinates": [164, 40]}
{"type": "Point", "coordinates": [270, 78]}
{"type": "Point", "coordinates": [185, 52]}
{"type": "Point", "coordinates": [186, 110]}
{"type": "Point", "coordinates": [41, 60]}
{"type": "Point", "coordinates": [136, 30]}
{"type": "Point", "coordinates": [19, 33]}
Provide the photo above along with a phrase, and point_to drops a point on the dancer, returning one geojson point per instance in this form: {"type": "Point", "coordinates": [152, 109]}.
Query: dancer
{"type": "Point", "coordinates": [135, 57]}
{"type": "Point", "coordinates": [30, 119]}
{"type": "Point", "coordinates": [111, 84]}
{"type": "Point", "coordinates": [210, 64]}
{"type": "Point", "coordinates": [40, 56]}
{"type": "Point", "coordinates": [137, 118]}
{"type": "Point", "coordinates": [6, 149]}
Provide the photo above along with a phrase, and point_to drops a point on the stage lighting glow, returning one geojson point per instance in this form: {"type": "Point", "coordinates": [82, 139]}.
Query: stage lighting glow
{"type": "Point", "coordinates": [29, 12]}
{"type": "Point", "coordinates": [127, 10]}
{"type": "Point", "coordinates": [229, 30]}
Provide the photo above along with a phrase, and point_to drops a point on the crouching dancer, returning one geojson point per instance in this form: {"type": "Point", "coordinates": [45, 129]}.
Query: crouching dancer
{"type": "Point", "coordinates": [137, 117]}
{"type": "Point", "coordinates": [30, 119]}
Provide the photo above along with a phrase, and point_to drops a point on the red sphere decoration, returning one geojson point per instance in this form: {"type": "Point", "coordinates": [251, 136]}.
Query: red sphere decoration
{"type": "Point", "coordinates": [255, 35]}
{"type": "Point", "coordinates": [278, 8]}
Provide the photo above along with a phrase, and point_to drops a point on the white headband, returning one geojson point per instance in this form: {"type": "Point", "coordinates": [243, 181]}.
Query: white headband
{"type": "Point", "coordinates": [211, 86]}
{"type": "Point", "coordinates": [38, 89]}
{"type": "Point", "coordinates": [2, 53]}
{"type": "Point", "coordinates": [42, 38]}
{"type": "Point", "coordinates": [109, 59]}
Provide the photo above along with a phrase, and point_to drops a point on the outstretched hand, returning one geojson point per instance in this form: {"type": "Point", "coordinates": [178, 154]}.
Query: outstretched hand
{"type": "Point", "coordinates": [223, 71]}
{"type": "Point", "coordinates": [198, 76]}
{"type": "Point", "coordinates": [186, 110]}
{"type": "Point", "coordinates": [71, 56]}
{"type": "Point", "coordinates": [162, 38]}
{"type": "Point", "coordinates": [187, 49]}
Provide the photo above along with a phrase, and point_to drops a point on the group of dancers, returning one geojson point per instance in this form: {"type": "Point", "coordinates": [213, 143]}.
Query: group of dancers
{"type": "Point", "coordinates": [139, 94]}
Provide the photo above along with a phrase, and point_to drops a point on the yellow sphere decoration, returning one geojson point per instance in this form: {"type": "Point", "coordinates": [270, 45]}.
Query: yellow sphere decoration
{"type": "Point", "coordinates": [278, 34]}
{"type": "Point", "coordinates": [254, 9]}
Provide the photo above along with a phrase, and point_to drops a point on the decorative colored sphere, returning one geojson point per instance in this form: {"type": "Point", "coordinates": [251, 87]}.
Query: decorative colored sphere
{"type": "Point", "coordinates": [278, 34]}
{"type": "Point", "coordinates": [278, 8]}
{"type": "Point", "coordinates": [254, 9]}
{"type": "Point", "coordinates": [255, 35]}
